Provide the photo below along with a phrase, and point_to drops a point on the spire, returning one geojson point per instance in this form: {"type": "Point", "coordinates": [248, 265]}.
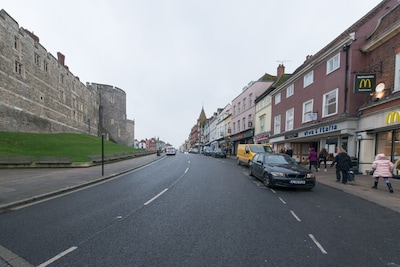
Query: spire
{"type": "Point", "coordinates": [202, 117]}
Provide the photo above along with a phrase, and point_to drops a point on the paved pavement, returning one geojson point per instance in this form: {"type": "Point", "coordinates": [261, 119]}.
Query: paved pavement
{"type": "Point", "coordinates": [23, 186]}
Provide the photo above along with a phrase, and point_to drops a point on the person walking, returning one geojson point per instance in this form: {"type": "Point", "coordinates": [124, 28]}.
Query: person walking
{"type": "Point", "coordinates": [289, 151]}
{"type": "Point", "coordinates": [382, 168]}
{"type": "Point", "coordinates": [343, 165]}
{"type": "Point", "coordinates": [313, 158]}
{"type": "Point", "coordinates": [323, 154]}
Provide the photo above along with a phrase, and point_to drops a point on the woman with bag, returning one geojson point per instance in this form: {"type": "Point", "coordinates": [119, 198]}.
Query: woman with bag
{"type": "Point", "coordinates": [382, 167]}
{"type": "Point", "coordinates": [323, 154]}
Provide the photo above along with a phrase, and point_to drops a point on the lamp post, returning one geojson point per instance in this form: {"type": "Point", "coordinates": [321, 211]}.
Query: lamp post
{"type": "Point", "coordinates": [102, 154]}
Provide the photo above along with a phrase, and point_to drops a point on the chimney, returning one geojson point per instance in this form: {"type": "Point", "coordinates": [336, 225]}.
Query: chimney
{"type": "Point", "coordinates": [61, 58]}
{"type": "Point", "coordinates": [280, 70]}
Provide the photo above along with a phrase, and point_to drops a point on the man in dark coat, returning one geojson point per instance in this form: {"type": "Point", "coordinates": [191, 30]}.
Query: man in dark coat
{"type": "Point", "coordinates": [343, 165]}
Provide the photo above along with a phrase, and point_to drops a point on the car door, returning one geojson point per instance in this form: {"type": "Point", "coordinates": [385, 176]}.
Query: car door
{"type": "Point", "coordinates": [258, 165]}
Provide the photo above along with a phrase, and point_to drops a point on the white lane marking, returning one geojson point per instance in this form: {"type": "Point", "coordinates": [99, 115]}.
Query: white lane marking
{"type": "Point", "coordinates": [295, 216]}
{"type": "Point", "coordinates": [187, 169]}
{"type": "Point", "coordinates": [317, 244]}
{"type": "Point", "coordinates": [154, 198]}
{"type": "Point", "coordinates": [62, 254]}
{"type": "Point", "coordinates": [283, 201]}
{"type": "Point", "coordinates": [273, 191]}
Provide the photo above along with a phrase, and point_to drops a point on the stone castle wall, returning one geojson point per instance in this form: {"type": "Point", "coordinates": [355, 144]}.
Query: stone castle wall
{"type": "Point", "coordinates": [38, 93]}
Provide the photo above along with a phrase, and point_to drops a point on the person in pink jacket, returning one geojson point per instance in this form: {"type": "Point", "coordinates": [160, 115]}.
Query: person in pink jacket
{"type": "Point", "coordinates": [382, 168]}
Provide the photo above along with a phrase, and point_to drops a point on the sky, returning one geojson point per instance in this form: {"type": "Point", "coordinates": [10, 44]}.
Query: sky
{"type": "Point", "coordinates": [174, 57]}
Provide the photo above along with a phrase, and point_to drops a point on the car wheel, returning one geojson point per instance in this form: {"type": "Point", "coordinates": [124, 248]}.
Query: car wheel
{"type": "Point", "coordinates": [266, 180]}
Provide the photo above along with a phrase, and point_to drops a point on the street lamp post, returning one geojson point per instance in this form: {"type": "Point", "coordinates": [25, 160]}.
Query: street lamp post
{"type": "Point", "coordinates": [102, 154]}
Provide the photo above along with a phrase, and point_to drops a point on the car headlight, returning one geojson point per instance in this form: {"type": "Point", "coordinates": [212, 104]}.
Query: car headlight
{"type": "Point", "coordinates": [310, 176]}
{"type": "Point", "coordinates": [281, 174]}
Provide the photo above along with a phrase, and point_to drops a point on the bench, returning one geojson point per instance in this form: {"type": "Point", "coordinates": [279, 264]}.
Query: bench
{"type": "Point", "coordinates": [16, 160]}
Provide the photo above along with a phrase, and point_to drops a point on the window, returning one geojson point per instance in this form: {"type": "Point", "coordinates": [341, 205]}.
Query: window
{"type": "Point", "coordinates": [278, 98]}
{"type": "Point", "coordinates": [16, 43]}
{"type": "Point", "coordinates": [61, 78]}
{"type": "Point", "coordinates": [239, 107]}
{"type": "Point", "coordinates": [234, 127]}
{"type": "Point", "coordinates": [259, 105]}
{"type": "Point", "coordinates": [244, 104]}
{"type": "Point", "coordinates": [330, 104]}
{"type": "Point", "coordinates": [37, 60]}
{"type": "Point", "coordinates": [18, 68]}
{"type": "Point", "coordinates": [397, 73]}
{"type": "Point", "coordinates": [267, 100]}
{"type": "Point", "coordinates": [234, 110]}
{"type": "Point", "coordinates": [244, 123]}
{"type": "Point", "coordinates": [289, 119]}
{"type": "Point", "coordinates": [277, 124]}
{"type": "Point", "coordinates": [45, 66]}
{"type": "Point", "coordinates": [250, 100]}
{"type": "Point", "coordinates": [308, 110]}
{"type": "Point", "coordinates": [250, 121]}
{"type": "Point", "coordinates": [333, 63]}
{"type": "Point", "coordinates": [262, 123]}
{"type": "Point", "coordinates": [238, 125]}
{"type": "Point", "coordinates": [308, 79]}
{"type": "Point", "coordinates": [290, 91]}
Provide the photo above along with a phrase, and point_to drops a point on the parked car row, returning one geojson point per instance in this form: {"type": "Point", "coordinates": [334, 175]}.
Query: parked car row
{"type": "Point", "coordinates": [273, 169]}
{"type": "Point", "coordinates": [216, 153]}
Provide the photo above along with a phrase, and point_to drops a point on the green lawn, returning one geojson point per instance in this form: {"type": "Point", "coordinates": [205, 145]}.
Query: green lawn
{"type": "Point", "coordinates": [76, 146]}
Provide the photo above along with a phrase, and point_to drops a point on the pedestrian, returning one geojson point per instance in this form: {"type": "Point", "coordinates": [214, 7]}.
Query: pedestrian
{"type": "Point", "coordinates": [323, 154]}
{"type": "Point", "coordinates": [313, 158]}
{"type": "Point", "coordinates": [289, 151]}
{"type": "Point", "coordinates": [343, 165]}
{"type": "Point", "coordinates": [382, 168]}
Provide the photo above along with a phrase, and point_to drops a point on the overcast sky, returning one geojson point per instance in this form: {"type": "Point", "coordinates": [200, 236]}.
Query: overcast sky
{"type": "Point", "coordinates": [172, 57]}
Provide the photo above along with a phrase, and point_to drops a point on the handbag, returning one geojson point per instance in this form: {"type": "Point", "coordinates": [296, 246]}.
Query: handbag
{"type": "Point", "coordinates": [371, 172]}
{"type": "Point", "coordinates": [350, 176]}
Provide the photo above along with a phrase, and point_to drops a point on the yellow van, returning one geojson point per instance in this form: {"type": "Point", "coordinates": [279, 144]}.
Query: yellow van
{"type": "Point", "coordinates": [246, 152]}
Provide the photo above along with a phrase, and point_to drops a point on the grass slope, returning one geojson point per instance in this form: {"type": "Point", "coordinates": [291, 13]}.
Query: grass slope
{"type": "Point", "coordinates": [76, 146]}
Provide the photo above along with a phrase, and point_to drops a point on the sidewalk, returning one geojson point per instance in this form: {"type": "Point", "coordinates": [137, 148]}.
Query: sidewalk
{"type": "Point", "coordinates": [23, 186]}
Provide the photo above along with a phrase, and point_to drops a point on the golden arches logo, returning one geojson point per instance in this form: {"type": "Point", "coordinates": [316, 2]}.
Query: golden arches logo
{"type": "Point", "coordinates": [365, 83]}
{"type": "Point", "coordinates": [393, 117]}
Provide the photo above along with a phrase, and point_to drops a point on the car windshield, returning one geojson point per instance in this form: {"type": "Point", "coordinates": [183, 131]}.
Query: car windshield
{"type": "Point", "coordinates": [260, 149]}
{"type": "Point", "coordinates": [278, 159]}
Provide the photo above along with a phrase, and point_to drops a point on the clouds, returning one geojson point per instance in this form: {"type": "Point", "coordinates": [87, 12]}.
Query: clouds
{"type": "Point", "coordinates": [173, 56]}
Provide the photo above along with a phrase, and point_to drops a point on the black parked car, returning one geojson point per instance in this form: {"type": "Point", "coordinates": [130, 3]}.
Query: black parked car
{"type": "Point", "coordinates": [218, 153]}
{"type": "Point", "coordinates": [280, 170]}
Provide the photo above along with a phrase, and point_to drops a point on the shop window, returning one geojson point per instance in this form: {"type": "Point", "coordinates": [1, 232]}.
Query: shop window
{"type": "Point", "coordinates": [397, 73]}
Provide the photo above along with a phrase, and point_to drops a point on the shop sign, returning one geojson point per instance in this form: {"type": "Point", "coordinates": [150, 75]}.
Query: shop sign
{"type": "Point", "coordinates": [320, 130]}
{"type": "Point", "coordinates": [392, 117]}
{"type": "Point", "coordinates": [365, 83]}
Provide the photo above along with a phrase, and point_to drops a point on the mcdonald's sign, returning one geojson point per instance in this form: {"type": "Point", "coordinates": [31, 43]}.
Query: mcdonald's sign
{"type": "Point", "coordinates": [365, 83]}
{"type": "Point", "coordinates": [392, 117]}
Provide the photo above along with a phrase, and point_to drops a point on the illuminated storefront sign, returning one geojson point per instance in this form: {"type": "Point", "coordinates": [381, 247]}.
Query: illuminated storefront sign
{"type": "Point", "coordinates": [320, 130]}
{"type": "Point", "coordinates": [365, 83]}
{"type": "Point", "coordinates": [392, 117]}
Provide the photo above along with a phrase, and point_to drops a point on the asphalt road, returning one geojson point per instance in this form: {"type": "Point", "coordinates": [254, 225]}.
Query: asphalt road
{"type": "Point", "coordinates": [192, 210]}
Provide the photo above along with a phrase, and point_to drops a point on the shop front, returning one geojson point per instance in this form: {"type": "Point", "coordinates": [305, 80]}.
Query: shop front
{"type": "Point", "coordinates": [330, 136]}
{"type": "Point", "coordinates": [381, 136]}
{"type": "Point", "coordinates": [246, 137]}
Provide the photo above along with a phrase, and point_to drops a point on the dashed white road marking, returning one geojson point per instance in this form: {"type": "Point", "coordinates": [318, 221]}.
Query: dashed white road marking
{"type": "Point", "coordinates": [57, 257]}
{"type": "Point", "coordinates": [154, 198]}
{"type": "Point", "coordinates": [317, 244]}
{"type": "Point", "coordinates": [295, 216]}
{"type": "Point", "coordinates": [281, 199]}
